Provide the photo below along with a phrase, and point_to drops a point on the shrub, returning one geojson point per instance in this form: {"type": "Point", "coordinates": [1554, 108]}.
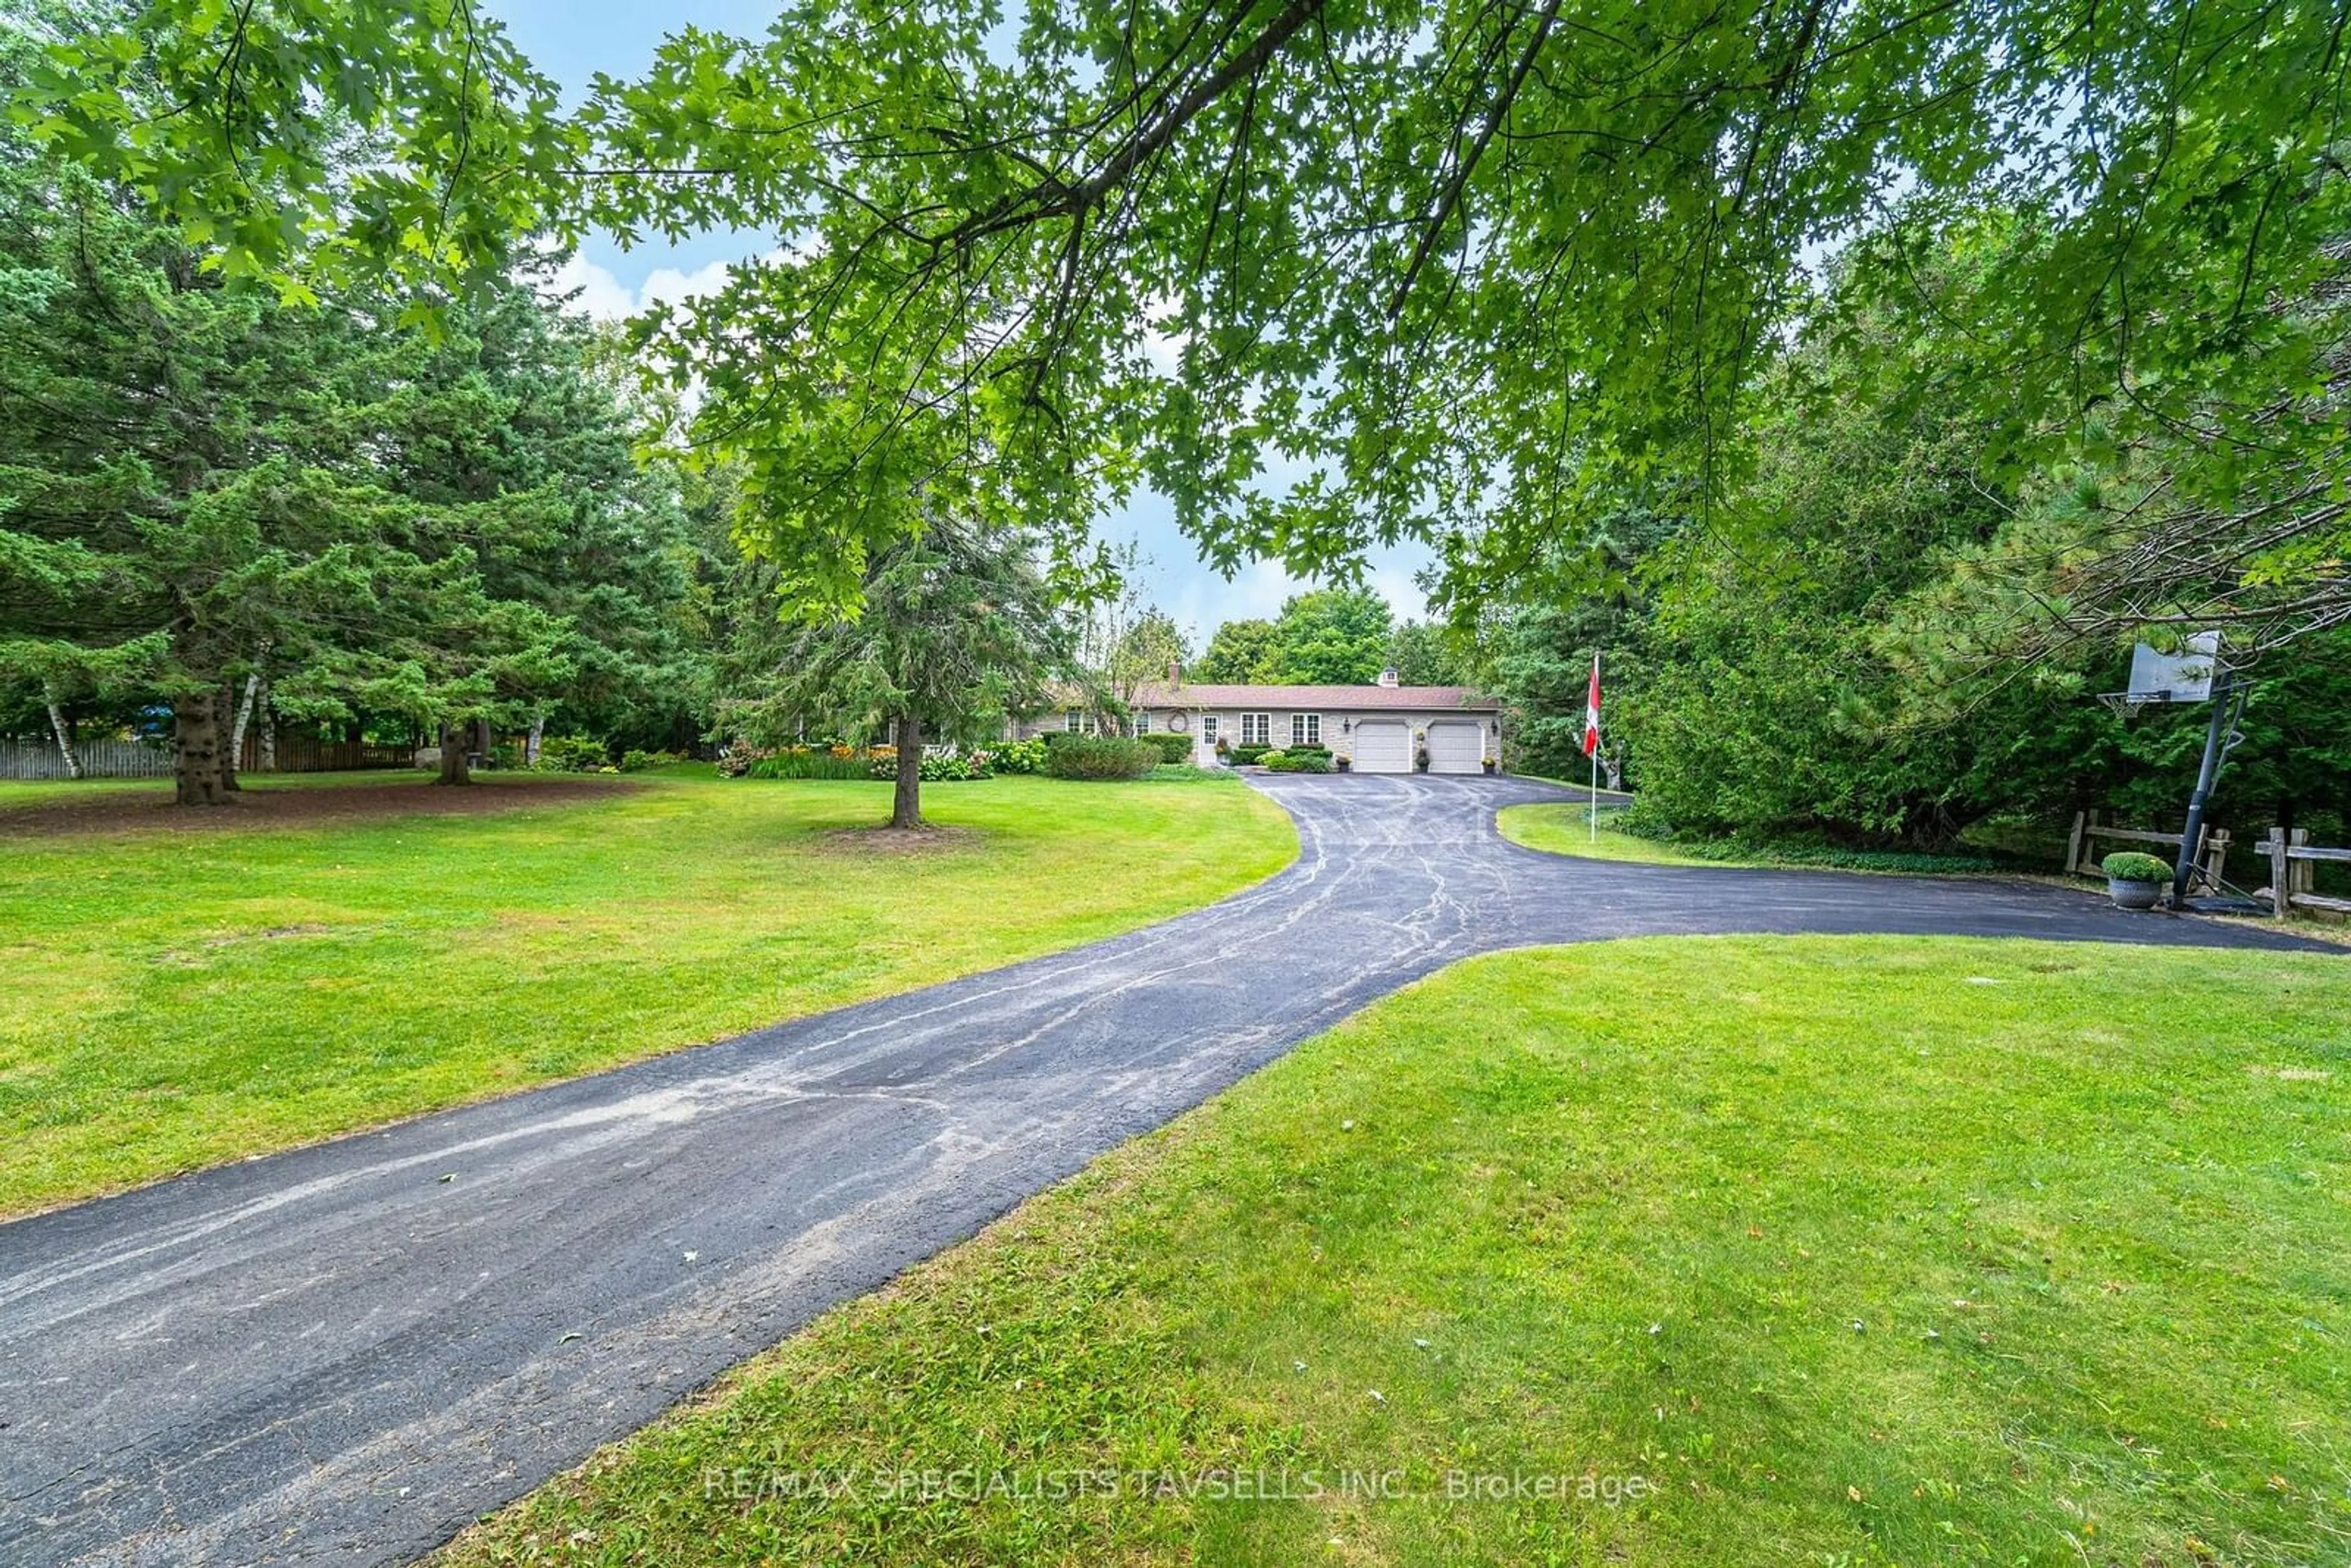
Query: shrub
{"type": "Point", "coordinates": [572, 754]}
{"type": "Point", "coordinates": [1300, 761]}
{"type": "Point", "coordinates": [935, 767]}
{"type": "Point", "coordinates": [1017, 756]}
{"type": "Point", "coordinates": [633, 761]}
{"type": "Point", "coordinates": [1643, 821]}
{"type": "Point", "coordinates": [1173, 747]}
{"type": "Point", "coordinates": [2131, 865]}
{"type": "Point", "coordinates": [1101, 756]}
{"type": "Point", "coordinates": [1243, 755]}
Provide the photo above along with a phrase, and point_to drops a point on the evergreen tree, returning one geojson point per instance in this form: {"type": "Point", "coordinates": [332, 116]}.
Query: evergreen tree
{"type": "Point", "coordinates": [510, 433]}
{"type": "Point", "coordinates": [203, 490]}
{"type": "Point", "coordinates": [177, 498]}
{"type": "Point", "coordinates": [958, 627]}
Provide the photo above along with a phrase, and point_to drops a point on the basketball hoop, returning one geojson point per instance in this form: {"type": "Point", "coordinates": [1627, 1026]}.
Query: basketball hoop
{"type": "Point", "coordinates": [2191, 672]}
{"type": "Point", "coordinates": [2127, 703]}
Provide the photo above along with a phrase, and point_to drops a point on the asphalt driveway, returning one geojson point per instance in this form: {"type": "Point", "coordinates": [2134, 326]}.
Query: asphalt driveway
{"type": "Point", "coordinates": [343, 1353]}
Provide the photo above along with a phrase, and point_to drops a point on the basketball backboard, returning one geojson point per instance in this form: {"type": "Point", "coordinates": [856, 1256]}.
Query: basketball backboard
{"type": "Point", "coordinates": [2185, 676]}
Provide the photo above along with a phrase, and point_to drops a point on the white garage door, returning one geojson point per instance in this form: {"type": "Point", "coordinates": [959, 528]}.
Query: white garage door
{"type": "Point", "coordinates": [1456, 746]}
{"type": "Point", "coordinates": [1382, 749]}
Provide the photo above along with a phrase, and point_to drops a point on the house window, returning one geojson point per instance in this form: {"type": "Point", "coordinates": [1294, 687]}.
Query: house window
{"type": "Point", "coordinates": [1142, 721]}
{"type": "Point", "coordinates": [1256, 729]}
{"type": "Point", "coordinates": [1073, 721]}
{"type": "Point", "coordinates": [1306, 729]}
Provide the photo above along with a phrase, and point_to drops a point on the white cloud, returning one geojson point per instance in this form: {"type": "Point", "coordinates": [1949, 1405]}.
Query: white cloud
{"type": "Point", "coordinates": [601, 297]}
{"type": "Point", "coordinates": [1203, 601]}
{"type": "Point", "coordinates": [605, 297]}
{"type": "Point", "coordinates": [1392, 577]}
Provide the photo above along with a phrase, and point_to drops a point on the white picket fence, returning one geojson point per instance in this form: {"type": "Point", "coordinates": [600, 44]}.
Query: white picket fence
{"type": "Point", "coordinates": [100, 758]}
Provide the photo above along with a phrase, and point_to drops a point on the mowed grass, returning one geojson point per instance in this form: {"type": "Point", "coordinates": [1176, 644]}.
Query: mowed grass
{"type": "Point", "coordinates": [177, 997]}
{"type": "Point", "coordinates": [1822, 1250]}
{"type": "Point", "coordinates": [1565, 829]}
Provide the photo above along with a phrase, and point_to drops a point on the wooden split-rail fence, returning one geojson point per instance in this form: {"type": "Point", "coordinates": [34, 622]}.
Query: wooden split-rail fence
{"type": "Point", "coordinates": [2289, 856]}
{"type": "Point", "coordinates": [2292, 861]}
{"type": "Point", "coordinates": [2083, 855]}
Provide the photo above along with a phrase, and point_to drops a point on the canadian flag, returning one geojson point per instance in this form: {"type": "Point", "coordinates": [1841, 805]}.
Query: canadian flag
{"type": "Point", "coordinates": [1592, 711]}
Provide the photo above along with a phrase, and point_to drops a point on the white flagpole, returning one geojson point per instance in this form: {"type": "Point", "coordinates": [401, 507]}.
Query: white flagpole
{"type": "Point", "coordinates": [1591, 736]}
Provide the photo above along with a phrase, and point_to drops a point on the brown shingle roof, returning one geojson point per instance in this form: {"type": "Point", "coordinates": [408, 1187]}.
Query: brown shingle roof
{"type": "Point", "coordinates": [1416, 699]}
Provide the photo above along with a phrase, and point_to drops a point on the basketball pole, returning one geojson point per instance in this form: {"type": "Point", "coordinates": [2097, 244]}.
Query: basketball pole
{"type": "Point", "coordinates": [2207, 773]}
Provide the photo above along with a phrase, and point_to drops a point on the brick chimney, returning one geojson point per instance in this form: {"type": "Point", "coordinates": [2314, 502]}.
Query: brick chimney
{"type": "Point", "coordinates": [1175, 672]}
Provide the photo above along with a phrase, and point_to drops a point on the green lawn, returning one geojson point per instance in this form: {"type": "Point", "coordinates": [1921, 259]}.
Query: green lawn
{"type": "Point", "coordinates": [15, 793]}
{"type": "Point", "coordinates": [1564, 829]}
{"type": "Point", "coordinates": [178, 998]}
{"type": "Point", "coordinates": [1824, 1250]}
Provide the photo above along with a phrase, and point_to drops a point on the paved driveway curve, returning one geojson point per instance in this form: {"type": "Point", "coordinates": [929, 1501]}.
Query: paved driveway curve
{"type": "Point", "coordinates": [343, 1353]}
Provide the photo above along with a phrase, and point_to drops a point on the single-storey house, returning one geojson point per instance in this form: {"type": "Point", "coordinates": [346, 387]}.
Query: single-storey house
{"type": "Point", "coordinates": [1379, 727]}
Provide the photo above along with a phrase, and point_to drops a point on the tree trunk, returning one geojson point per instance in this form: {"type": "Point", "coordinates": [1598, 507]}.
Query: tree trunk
{"type": "Point", "coordinates": [530, 746]}
{"type": "Point", "coordinates": [197, 765]}
{"type": "Point", "coordinates": [64, 740]}
{"type": "Point", "coordinates": [244, 719]}
{"type": "Point", "coordinates": [907, 803]}
{"type": "Point", "coordinates": [453, 771]}
{"type": "Point", "coordinates": [222, 707]}
{"type": "Point", "coordinates": [268, 733]}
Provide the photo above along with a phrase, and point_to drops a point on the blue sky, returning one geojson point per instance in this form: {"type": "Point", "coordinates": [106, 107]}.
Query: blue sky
{"type": "Point", "coordinates": [573, 39]}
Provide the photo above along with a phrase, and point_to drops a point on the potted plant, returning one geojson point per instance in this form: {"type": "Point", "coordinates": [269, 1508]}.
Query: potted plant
{"type": "Point", "coordinates": [1487, 763]}
{"type": "Point", "coordinates": [1343, 762]}
{"type": "Point", "coordinates": [1224, 751]}
{"type": "Point", "coordinates": [2133, 879]}
{"type": "Point", "coordinates": [1420, 751]}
